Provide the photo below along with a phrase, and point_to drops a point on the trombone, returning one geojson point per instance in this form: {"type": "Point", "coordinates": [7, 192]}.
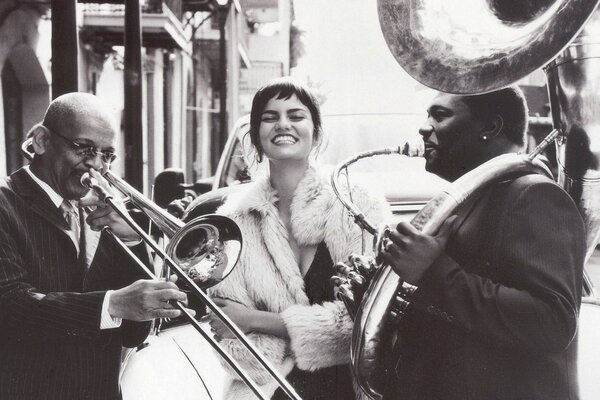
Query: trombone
{"type": "Point", "coordinates": [208, 247]}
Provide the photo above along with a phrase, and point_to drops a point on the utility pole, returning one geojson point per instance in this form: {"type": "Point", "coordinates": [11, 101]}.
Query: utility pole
{"type": "Point", "coordinates": [133, 134]}
{"type": "Point", "coordinates": [219, 142]}
{"type": "Point", "coordinates": [65, 47]}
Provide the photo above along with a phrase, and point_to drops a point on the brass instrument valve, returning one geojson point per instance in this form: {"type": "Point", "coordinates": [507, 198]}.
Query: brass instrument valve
{"type": "Point", "coordinates": [402, 299]}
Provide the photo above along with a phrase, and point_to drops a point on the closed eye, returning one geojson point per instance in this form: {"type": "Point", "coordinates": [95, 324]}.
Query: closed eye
{"type": "Point", "coordinates": [439, 114]}
{"type": "Point", "coordinates": [269, 116]}
{"type": "Point", "coordinates": [297, 117]}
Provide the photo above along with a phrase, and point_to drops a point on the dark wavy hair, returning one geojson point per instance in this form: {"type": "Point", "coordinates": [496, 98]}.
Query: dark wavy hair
{"type": "Point", "coordinates": [509, 103]}
{"type": "Point", "coordinates": [282, 88]}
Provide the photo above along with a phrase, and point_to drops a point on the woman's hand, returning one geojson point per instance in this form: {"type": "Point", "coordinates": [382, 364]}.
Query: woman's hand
{"type": "Point", "coordinates": [247, 320]}
{"type": "Point", "coordinates": [238, 313]}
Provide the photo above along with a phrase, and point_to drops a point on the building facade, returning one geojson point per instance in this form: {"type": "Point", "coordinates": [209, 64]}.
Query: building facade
{"type": "Point", "coordinates": [184, 66]}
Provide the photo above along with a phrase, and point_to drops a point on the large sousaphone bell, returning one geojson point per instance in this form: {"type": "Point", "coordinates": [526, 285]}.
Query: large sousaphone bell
{"type": "Point", "coordinates": [477, 46]}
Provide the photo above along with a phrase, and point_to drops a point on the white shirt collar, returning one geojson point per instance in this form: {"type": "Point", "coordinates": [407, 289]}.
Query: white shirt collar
{"type": "Point", "coordinates": [56, 198]}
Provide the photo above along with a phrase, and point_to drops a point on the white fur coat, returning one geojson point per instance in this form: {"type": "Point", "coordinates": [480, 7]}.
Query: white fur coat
{"type": "Point", "coordinates": [268, 278]}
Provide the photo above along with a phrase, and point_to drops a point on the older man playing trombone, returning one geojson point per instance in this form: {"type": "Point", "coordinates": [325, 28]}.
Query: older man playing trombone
{"type": "Point", "coordinates": [69, 296]}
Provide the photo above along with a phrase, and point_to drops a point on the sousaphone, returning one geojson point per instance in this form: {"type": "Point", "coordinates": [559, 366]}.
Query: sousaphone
{"type": "Point", "coordinates": [477, 46]}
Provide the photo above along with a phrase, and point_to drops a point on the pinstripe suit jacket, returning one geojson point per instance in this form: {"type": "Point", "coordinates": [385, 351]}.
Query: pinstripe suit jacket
{"type": "Point", "coordinates": [51, 346]}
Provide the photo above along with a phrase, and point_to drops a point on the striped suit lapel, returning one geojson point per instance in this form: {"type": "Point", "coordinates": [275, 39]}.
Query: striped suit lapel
{"type": "Point", "coordinates": [37, 199]}
{"type": "Point", "coordinates": [40, 203]}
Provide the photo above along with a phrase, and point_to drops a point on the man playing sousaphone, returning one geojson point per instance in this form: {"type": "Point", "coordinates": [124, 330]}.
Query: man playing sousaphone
{"type": "Point", "coordinates": [495, 312]}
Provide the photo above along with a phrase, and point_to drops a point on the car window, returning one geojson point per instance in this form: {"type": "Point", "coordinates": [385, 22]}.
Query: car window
{"type": "Point", "coordinates": [236, 170]}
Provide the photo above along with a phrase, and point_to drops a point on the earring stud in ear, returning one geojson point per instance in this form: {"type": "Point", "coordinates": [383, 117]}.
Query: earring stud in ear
{"type": "Point", "coordinates": [484, 138]}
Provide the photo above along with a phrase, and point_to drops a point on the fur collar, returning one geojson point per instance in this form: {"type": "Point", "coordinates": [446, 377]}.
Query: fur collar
{"type": "Point", "coordinates": [312, 204]}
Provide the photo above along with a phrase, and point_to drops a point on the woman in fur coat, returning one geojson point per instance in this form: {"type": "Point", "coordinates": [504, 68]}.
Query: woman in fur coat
{"type": "Point", "coordinates": [294, 231]}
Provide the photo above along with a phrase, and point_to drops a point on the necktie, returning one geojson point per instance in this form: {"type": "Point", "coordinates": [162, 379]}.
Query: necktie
{"type": "Point", "coordinates": [76, 233]}
{"type": "Point", "coordinates": [72, 219]}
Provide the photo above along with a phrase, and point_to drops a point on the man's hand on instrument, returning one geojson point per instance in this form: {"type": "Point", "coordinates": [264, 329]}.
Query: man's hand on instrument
{"type": "Point", "coordinates": [145, 300]}
{"type": "Point", "coordinates": [104, 215]}
{"type": "Point", "coordinates": [410, 252]}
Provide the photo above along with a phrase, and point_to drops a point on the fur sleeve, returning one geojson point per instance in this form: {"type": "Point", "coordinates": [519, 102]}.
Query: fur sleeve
{"type": "Point", "coordinates": [319, 334]}
{"type": "Point", "coordinates": [271, 347]}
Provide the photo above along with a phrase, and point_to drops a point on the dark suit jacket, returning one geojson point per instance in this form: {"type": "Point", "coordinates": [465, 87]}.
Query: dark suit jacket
{"type": "Point", "coordinates": [496, 318]}
{"type": "Point", "coordinates": [52, 347]}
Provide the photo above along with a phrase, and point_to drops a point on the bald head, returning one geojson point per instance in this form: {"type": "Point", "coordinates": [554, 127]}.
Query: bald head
{"type": "Point", "coordinates": [74, 111]}
{"type": "Point", "coordinates": [74, 123]}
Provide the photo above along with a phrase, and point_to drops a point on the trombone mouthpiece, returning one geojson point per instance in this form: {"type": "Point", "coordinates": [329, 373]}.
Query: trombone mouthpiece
{"type": "Point", "coordinates": [87, 180]}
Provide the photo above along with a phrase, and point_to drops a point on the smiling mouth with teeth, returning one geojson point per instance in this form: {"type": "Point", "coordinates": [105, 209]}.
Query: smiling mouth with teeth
{"type": "Point", "coordinates": [284, 139]}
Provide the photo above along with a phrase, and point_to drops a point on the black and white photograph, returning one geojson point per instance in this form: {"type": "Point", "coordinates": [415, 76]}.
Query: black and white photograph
{"type": "Point", "coordinates": [300, 199]}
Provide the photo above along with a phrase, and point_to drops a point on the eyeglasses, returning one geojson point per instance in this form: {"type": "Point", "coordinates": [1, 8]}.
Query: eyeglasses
{"type": "Point", "coordinates": [107, 157]}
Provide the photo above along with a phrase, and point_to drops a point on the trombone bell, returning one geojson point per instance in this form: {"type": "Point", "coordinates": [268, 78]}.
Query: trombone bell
{"type": "Point", "coordinates": [206, 248]}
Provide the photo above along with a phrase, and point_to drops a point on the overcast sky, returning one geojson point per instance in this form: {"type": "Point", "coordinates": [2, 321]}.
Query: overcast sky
{"type": "Point", "coordinates": [347, 55]}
